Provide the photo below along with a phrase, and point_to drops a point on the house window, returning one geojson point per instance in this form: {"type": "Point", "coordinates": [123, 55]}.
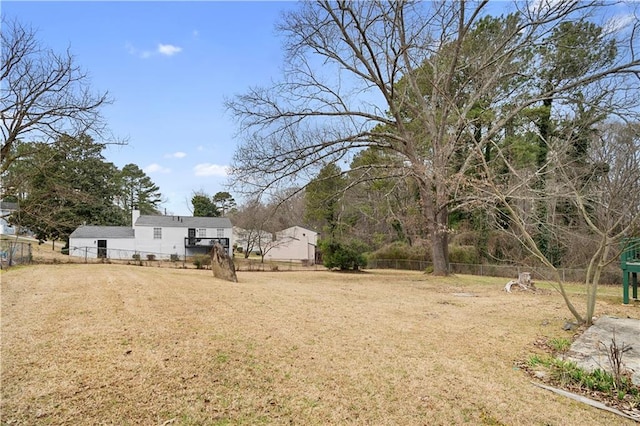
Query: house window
{"type": "Point", "coordinates": [157, 233]}
{"type": "Point", "coordinates": [202, 232]}
{"type": "Point", "coordinates": [220, 233]}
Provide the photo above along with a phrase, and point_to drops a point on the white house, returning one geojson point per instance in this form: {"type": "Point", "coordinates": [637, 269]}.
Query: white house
{"type": "Point", "coordinates": [6, 209]}
{"type": "Point", "coordinates": [164, 237]}
{"type": "Point", "coordinates": [295, 243]}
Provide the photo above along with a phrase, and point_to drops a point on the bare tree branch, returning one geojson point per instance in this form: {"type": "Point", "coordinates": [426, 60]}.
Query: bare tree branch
{"type": "Point", "coordinates": [44, 94]}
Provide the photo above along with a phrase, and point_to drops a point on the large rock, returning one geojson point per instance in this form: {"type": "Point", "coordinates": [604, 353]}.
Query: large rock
{"type": "Point", "coordinates": [589, 351]}
{"type": "Point", "coordinates": [222, 264]}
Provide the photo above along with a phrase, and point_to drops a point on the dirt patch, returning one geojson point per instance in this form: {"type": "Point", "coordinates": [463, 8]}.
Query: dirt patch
{"type": "Point", "coordinates": [132, 345]}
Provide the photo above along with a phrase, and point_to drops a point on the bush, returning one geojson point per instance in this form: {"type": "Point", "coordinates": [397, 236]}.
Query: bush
{"type": "Point", "coordinates": [136, 256]}
{"type": "Point", "coordinates": [463, 254]}
{"type": "Point", "coordinates": [344, 256]}
{"type": "Point", "coordinates": [401, 251]}
{"type": "Point", "coordinates": [201, 261]}
{"type": "Point", "coordinates": [151, 257]}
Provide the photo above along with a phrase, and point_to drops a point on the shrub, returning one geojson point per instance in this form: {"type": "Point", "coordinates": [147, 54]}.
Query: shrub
{"type": "Point", "coordinates": [344, 256]}
{"type": "Point", "coordinates": [136, 256]}
{"type": "Point", "coordinates": [151, 257]}
{"type": "Point", "coordinates": [401, 251]}
{"type": "Point", "coordinates": [201, 261]}
{"type": "Point", "coordinates": [463, 254]}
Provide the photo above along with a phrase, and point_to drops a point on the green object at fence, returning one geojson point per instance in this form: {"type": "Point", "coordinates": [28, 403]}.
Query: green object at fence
{"type": "Point", "coordinates": [630, 264]}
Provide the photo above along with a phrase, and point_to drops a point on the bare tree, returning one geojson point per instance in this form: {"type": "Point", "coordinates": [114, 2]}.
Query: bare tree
{"type": "Point", "coordinates": [251, 219]}
{"type": "Point", "coordinates": [603, 187]}
{"type": "Point", "coordinates": [423, 80]}
{"type": "Point", "coordinates": [44, 94]}
{"type": "Point", "coordinates": [258, 224]}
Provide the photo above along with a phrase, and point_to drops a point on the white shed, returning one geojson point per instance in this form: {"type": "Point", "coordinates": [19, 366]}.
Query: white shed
{"type": "Point", "coordinates": [295, 243]}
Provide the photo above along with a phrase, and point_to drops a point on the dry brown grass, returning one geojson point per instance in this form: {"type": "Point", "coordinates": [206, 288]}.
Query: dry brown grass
{"type": "Point", "coordinates": [113, 344]}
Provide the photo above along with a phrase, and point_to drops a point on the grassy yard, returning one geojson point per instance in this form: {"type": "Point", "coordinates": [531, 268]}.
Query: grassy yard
{"type": "Point", "coordinates": [116, 344]}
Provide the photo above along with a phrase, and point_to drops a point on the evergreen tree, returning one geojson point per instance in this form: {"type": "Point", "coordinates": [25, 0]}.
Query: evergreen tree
{"type": "Point", "coordinates": [136, 189]}
{"type": "Point", "coordinates": [224, 202]}
{"type": "Point", "coordinates": [203, 206]}
{"type": "Point", "coordinates": [65, 185]}
{"type": "Point", "coordinates": [322, 199]}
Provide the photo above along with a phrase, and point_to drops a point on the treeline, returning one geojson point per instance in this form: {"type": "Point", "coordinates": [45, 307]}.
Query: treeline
{"type": "Point", "coordinates": [516, 133]}
{"type": "Point", "coordinates": [61, 185]}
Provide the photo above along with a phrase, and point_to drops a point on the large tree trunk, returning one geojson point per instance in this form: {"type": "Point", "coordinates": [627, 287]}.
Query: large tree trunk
{"type": "Point", "coordinates": [440, 243]}
{"type": "Point", "coordinates": [438, 224]}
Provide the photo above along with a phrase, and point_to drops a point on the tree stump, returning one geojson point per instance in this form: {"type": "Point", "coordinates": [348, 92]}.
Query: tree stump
{"type": "Point", "coordinates": [523, 281]}
{"type": "Point", "coordinates": [222, 264]}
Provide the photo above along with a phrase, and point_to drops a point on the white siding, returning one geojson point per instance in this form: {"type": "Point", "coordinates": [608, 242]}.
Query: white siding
{"type": "Point", "coordinates": [117, 248]}
{"type": "Point", "coordinates": [295, 243]}
{"type": "Point", "coordinates": [5, 228]}
{"type": "Point", "coordinates": [172, 241]}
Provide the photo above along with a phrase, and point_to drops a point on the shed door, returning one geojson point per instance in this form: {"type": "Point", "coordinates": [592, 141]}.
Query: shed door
{"type": "Point", "coordinates": [102, 249]}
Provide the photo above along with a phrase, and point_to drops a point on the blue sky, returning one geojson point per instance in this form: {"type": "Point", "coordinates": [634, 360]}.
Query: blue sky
{"type": "Point", "coordinates": [168, 66]}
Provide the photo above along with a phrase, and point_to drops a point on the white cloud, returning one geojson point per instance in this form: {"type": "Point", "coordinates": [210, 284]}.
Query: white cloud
{"type": "Point", "coordinates": [132, 50]}
{"type": "Point", "coordinates": [178, 154]}
{"type": "Point", "coordinates": [195, 33]}
{"type": "Point", "coordinates": [619, 23]}
{"type": "Point", "coordinates": [546, 6]}
{"type": "Point", "coordinates": [162, 49]}
{"type": "Point", "coordinates": [168, 49]}
{"type": "Point", "coordinates": [156, 168]}
{"type": "Point", "coordinates": [207, 169]}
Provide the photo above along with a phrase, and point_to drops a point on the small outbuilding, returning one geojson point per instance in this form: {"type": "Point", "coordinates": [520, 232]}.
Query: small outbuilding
{"type": "Point", "coordinates": [294, 243]}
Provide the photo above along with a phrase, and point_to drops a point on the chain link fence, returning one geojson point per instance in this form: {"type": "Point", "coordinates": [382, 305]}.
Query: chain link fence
{"type": "Point", "coordinates": [200, 261]}
{"type": "Point", "coordinates": [14, 252]}
{"type": "Point", "coordinates": [611, 275]}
